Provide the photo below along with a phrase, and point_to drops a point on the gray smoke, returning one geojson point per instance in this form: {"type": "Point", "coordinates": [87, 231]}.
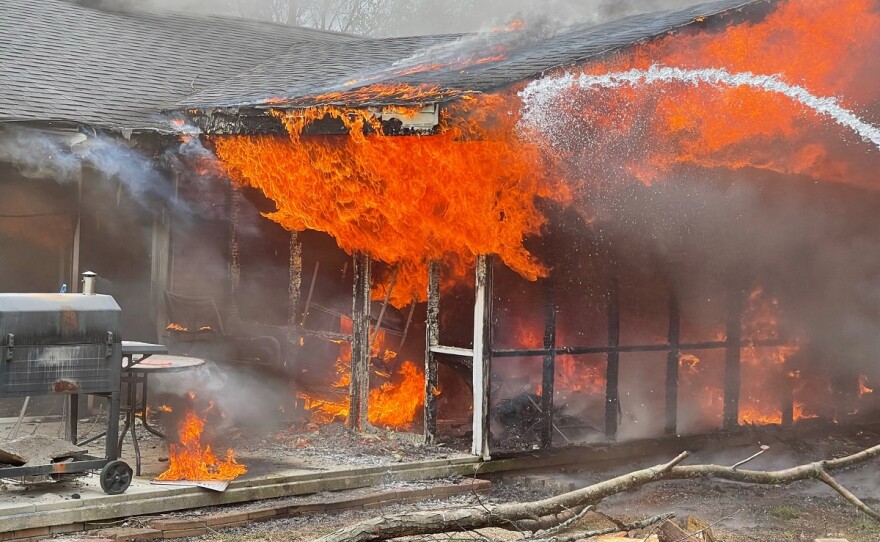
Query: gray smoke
{"type": "Point", "coordinates": [60, 156]}
{"type": "Point", "coordinates": [37, 155]}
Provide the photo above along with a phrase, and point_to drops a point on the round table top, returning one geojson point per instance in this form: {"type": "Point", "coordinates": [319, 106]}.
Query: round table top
{"type": "Point", "coordinates": [164, 363]}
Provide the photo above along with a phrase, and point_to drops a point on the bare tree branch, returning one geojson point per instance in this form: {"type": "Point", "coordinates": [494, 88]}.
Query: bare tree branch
{"type": "Point", "coordinates": [505, 515]}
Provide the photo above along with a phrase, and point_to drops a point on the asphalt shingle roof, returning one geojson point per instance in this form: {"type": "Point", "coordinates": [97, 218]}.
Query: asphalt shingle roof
{"type": "Point", "coordinates": [296, 75]}
{"type": "Point", "coordinates": [62, 61]}
{"type": "Point", "coordinates": [66, 62]}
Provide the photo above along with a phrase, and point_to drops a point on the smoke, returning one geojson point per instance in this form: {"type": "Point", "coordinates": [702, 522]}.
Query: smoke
{"type": "Point", "coordinates": [61, 156]}
{"type": "Point", "coordinates": [242, 396]}
{"type": "Point", "coordinates": [37, 155]}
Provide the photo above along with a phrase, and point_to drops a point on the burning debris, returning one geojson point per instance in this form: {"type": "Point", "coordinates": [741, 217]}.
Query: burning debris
{"type": "Point", "coordinates": [191, 460]}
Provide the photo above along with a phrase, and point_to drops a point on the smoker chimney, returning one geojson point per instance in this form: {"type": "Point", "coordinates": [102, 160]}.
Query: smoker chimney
{"type": "Point", "coordinates": [88, 282]}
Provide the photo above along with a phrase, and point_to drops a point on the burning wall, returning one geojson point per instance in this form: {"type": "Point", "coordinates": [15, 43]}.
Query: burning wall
{"type": "Point", "coordinates": [683, 179]}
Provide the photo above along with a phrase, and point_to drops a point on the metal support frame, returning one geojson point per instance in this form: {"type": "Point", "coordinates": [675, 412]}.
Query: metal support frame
{"type": "Point", "coordinates": [432, 340]}
{"type": "Point", "coordinates": [612, 371]}
{"type": "Point", "coordinates": [359, 389]}
{"type": "Point", "coordinates": [672, 356]}
{"type": "Point", "coordinates": [482, 356]}
{"type": "Point", "coordinates": [732, 370]}
{"type": "Point", "coordinates": [548, 375]}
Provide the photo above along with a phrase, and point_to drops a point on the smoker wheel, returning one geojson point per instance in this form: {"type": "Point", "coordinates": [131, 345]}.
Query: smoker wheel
{"type": "Point", "coordinates": [115, 477]}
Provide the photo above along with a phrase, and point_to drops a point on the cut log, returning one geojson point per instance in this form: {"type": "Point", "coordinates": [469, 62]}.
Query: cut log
{"type": "Point", "coordinates": [670, 532]}
{"type": "Point", "coordinates": [695, 525]}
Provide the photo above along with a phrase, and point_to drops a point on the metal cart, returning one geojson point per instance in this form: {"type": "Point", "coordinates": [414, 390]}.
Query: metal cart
{"type": "Point", "coordinates": [65, 344]}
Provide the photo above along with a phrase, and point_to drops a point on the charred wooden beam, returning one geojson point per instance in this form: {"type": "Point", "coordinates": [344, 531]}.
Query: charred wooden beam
{"type": "Point", "coordinates": [732, 369]}
{"type": "Point", "coordinates": [432, 339]}
{"type": "Point", "coordinates": [612, 371]}
{"type": "Point", "coordinates": [549, 369]}
{"type": "Point", "coordinates": [672, 364]}
{"type": "Point", "coordinates": [233, 121]}
{"type": "Point", "coordinates": [294, 284]}
{"type": "Point", "coordinates": [482, 356]}
{"type": "Point", "coordinates": [787, 398]}
{"type": "Point", "coordinates": [359, 389]}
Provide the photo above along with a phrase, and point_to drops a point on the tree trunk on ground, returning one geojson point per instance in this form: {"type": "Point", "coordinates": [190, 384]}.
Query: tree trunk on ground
{"type": "Point", "coordinates": [542, 514]}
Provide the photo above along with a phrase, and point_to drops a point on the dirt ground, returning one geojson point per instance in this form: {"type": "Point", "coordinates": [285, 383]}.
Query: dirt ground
{"type": "Point", "coordinates": [738, 512]}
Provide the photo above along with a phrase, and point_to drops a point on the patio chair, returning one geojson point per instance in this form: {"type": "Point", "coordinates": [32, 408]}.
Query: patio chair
{"type": "Point", "coordinates": [195, 328]}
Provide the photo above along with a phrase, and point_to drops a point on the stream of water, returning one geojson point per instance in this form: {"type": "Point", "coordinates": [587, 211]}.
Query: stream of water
{"type": "Point", "coordinates": [539, 96]}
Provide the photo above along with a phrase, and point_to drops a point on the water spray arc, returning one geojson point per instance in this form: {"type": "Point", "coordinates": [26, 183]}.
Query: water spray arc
{"type": "Point", "coordinates": [539, 95]}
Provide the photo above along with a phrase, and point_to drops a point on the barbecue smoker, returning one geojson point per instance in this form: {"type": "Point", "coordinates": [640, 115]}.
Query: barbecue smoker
{"type": "Point", "coordinates": [65, 344]}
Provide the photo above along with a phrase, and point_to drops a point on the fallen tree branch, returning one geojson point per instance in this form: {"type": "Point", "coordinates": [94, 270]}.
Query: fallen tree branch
{"type": "Point", "coordinates": [846, 494]}
{"type": "Point", "coordinates": [504, 516]}
{"type": "Point", "coordinates": [571, 537]}
{"type": "Point", "coordinates": [513, 516]}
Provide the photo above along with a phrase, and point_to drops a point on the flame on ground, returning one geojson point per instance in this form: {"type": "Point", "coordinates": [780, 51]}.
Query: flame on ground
{"type": "Point", "coordinates": [188, 460]}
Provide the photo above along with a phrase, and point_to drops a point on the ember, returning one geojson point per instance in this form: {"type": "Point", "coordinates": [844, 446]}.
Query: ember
{"type": "Point", "coordinates": [189, 460]}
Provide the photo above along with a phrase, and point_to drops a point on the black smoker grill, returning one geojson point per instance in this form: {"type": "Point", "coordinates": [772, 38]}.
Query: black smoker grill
{"type": "Point", "coordinates": [67, 344]}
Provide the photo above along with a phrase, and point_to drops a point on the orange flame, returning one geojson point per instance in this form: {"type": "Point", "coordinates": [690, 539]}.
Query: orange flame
{"type": "Point", "coordinates": [649, 130]}
{"type": "Point", "coordinates": [405, 200]}
{"type": "Point", "coordinates": [189, 461]}
{"type": "Point", "coordinates": [863, 386]}
{"type": "Point", "coordinates": [394, 404]}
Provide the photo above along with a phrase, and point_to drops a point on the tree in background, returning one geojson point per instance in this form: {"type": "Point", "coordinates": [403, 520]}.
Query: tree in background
{"type": "Point", "coordinates": [381, 18]}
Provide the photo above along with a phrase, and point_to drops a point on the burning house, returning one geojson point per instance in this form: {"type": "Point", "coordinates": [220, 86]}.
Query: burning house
{"type": "Point", "coordinates": [527, 237]}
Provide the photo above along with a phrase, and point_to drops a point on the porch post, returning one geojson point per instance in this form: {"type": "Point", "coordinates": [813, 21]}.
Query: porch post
{"type": "Point", "coordinates": [672, 363]}
{"type": "Point", "coordinates": [294, 283]}
{"type": "Point", "coordinates": [732, 376]}
{"type": "Point", "coordinates": [612, 370]}
{"type": "Point", "coordinates": [432, 339]}
{"type": "Point", "coordinates": [359, 389]}
{"type": "Point", "coordinates": [548, 377]}
{"type": "Point", "coordinates": [234, 257]}
{"type": "Point", "coordinates": [482, 356]}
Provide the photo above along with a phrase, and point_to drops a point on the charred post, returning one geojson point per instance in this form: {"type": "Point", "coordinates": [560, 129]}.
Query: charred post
{"type": "Point", "coordinates": [787, 406]}
{"type": "Point", "coordinates": [235, 196]}
{"type": "Point", "coordinates": [674, 339]}
{"type": "Point", "coordinates": [482, 355]}
{"type": "Point", "coordinates": [732, 376]}
{"type": "Point", "coordinates": [359, 389]}
{"type": "Point", "coordinates": [294, 283]}
{"type": "Point", "coordinates": [549, 373]}
{"type": "Point", "coordinates": [612, 372]}
{"type": "Point", "coordinates": [432, 339]}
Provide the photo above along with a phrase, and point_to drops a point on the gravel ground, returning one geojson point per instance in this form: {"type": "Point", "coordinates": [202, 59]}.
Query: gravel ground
{"type": "Point", "coordinates": [738, 512]}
